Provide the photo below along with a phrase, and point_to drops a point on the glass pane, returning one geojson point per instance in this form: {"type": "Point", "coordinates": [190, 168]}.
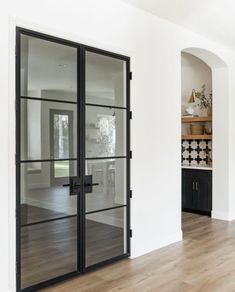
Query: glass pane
{"type": "Point", "coordinates": [61, 135]}
{"type": "Point", "coordinates": [105, 235]}
{"type": "Point", "coordinates": [48, 69]}
{"type": "Point", "coordinates": [110, 174]}
{"type": "Point", "coordinates": [61, 168]}
{"type": "Point", "coordinates": [48, 250]}
{"type": "Point", "coordinates": [42, 197]}
{"type": "Point", "coordinates": [105, 132]}
{"type": "Point", "coordinates": [105, 80]}
{"type": "Point", "coordinates": [48, 130]}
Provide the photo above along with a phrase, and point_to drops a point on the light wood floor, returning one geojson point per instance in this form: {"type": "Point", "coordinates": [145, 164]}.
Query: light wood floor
{"type": "Point", "coordinates": [49, 250]}
{"type": "Point", "coordinates": [204, 261]}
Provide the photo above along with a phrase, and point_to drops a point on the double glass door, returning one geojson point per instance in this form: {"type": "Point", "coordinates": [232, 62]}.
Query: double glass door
{"type": "Point", "coordinates": [72, 158]}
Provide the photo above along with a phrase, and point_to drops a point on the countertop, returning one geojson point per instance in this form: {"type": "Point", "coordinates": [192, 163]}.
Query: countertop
{"type": "Point", "coordinates": [197, 167]}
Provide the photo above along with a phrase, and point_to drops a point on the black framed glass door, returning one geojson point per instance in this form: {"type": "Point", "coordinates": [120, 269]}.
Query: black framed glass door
{"type": "Point", "coordinates": [72, 158]}
{"type": "Point", "coordinates": [106, 148]}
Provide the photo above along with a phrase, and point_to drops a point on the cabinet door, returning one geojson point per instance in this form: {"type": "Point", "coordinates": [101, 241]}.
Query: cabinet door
{"type": "Point", "coordinates": [204, 194]}
{"type": "Point", "coordinates": [187, 193]}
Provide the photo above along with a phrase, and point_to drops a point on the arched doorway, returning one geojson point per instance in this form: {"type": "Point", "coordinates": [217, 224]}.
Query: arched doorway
{"type": "Point", "coordinates": [220, 126]}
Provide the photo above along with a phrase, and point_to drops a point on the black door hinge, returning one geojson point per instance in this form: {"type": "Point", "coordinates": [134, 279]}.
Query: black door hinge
{"type": "Point", "coordinates": [17, 159]}
{"type": "Point", "coordinates": [130, 75]}
{"type": "Point", "coordinates": [130, 154]}
{"type": "Point", "coordinates": [130, 232]}
{"type": "Point", "coordinates": [130, 193]}
{"type": "Point", "coordinates": [130, 115]}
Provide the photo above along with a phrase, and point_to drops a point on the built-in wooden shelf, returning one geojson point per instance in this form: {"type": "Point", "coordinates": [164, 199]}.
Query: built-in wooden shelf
{"type": "Point", "coordinates": [196, 119]}
{"type": "Point", "coordinates": [197, 137]}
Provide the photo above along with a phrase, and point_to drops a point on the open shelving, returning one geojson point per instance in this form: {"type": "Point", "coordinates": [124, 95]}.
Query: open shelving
{"type": "Point", "coordinates": [197, 137]}
{"type": "Point", "coordinates": [196, 119]}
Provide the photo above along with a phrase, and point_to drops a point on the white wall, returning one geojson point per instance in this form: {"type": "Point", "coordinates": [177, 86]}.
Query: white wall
{"type": "Point", "coordinates": [155, 48]}
{"type": "Point", "coordinates": [220, 154]}
{"type": "Point", "coordinates": [231, 143]}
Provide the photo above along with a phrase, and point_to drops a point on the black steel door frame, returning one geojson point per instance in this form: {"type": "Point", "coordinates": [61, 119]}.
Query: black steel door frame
{"type": "Point", "coordinates": [81, 49]}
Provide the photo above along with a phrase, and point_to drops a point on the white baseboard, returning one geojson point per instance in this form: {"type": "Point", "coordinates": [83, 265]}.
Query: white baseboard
{"type": "Point", "coordinates": [163, 242]}
{"type": "Point", "coordinates": [221, 215]}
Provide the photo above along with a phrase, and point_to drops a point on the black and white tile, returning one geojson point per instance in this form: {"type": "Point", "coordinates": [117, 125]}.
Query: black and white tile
{"type": "Point", "coordinates": [196, 152]}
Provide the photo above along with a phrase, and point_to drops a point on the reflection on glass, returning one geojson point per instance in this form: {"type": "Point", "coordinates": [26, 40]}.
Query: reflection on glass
{"type": "Point", "coordinates": [48, 69]}
{"type": "Point", "coordinates": [48, 250]}
{"type": "Point", "coordinates": [110, 174]}
{"type": "Point", "coordinates": [105, 132]}
{"type": "Point", "coordinates": [48, 130]}
{"type": "Point", "coordinates": [105, 235]}
{"type": "Point", "coordinates": [105, 80]}
{"type": "Point", "coordinates": [41, 199]}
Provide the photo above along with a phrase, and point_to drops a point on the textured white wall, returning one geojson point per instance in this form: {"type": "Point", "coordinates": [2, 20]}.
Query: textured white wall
{"type": "Point", "coordinates": [155, 48]}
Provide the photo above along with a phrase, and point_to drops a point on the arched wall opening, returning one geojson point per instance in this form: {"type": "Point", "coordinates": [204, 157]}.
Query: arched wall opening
{"type": "Point", "coordinates": [220, 126]}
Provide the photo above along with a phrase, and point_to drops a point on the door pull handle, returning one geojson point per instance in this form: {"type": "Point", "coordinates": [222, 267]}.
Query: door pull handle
{"type": "Point", "coordinates": [91, 185]}
{"type": "Point", "coordinates": [77, 185]}
{"type": "Point", "coordinates": [74, 185]}
{"type": "Point", "coordinates": [68, 185]}
{"type": "Point", "coordinates": [196, 186]}
{"type": "Point", "coordinates": [193, 186]}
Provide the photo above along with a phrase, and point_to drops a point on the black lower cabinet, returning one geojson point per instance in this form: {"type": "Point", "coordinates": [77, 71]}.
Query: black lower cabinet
{"type": "Point", "coordinates": [197, 191]}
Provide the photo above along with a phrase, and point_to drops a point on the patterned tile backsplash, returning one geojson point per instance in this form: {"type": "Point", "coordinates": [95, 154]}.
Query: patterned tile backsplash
{"type": "Point", "coordinates": [196, 152]}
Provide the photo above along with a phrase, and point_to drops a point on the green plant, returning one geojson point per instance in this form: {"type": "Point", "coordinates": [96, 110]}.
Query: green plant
{"type": "Point", "coordinates": [205, 102]}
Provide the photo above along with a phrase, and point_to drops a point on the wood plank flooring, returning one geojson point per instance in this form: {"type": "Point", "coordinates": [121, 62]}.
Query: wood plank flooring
{"type": "Point", "coordinates": [32, 214]}
{"type": "Point", "coordinates": [203, 261]}
{"type": "Point", "coordinates": [49, 250]}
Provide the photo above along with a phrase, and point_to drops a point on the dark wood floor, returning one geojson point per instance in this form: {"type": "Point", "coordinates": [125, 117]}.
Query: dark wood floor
{"type": "Point", "coordinates": [49, 249]}
{"type": "Point", "coordinates": [203, 261]}
{"type": "Point", "coordinates": [31, 214]}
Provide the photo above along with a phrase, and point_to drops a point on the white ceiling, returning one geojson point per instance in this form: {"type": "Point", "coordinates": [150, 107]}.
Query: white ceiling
{"type": "Point", "coordinates": [214, 19]}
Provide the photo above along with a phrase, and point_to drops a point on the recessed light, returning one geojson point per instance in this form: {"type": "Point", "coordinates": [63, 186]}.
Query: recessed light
{"type": "Point", "coordinates": [62, 65]}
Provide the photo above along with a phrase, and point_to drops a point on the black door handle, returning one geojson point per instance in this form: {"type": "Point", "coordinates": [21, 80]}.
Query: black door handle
{"type": "Point", "coordinates": [91, 185]}
{"type": "Point", "coordinates": [74, 186]}
{"type": "Point", "coordinates": [77, 185]}
{"type": "Point", "coordinates": [68, 185]}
